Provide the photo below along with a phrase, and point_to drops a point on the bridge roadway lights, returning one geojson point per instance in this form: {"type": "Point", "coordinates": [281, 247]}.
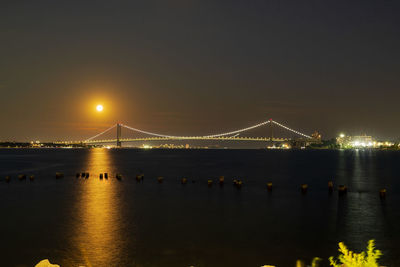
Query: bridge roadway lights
{"type": "Point", "coordinates": [255, 139]}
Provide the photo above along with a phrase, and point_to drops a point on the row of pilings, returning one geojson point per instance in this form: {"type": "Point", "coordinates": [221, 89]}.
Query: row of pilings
{"type": "Point", "coordinates": [238, 183]}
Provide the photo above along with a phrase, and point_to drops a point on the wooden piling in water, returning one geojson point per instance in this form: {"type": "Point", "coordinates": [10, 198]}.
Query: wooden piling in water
{"type": "Point", "coordinates": [269, 186]}
{"type": "Point", "coordinates": [330, 186]}
{"type": "Point", "coordinates": [382, 193]}
{"type": "Point", "coordinates": [342, 189]}
{"type": "Point", "coordinates": [304, 188]}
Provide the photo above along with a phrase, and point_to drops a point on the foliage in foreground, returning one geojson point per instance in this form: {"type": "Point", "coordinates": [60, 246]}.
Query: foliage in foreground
{"type": "Point", "coordinates": [347, 258]}
{"type": "Point", "coordinates": [350, 259]}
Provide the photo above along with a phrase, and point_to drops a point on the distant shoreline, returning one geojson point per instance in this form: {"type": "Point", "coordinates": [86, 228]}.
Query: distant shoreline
{"type": "Point", "coordinates": [199, 148]}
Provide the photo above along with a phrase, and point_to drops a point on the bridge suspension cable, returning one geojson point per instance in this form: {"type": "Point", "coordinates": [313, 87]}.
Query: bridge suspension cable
{"type": "Point", "coordinates": [149, 133]}
{"type": "Point", "coordinates": [234, 133]}
{"type": "Point", "coordinates": [237, 131]}
{"type": "Point", "coordinates": [204, 136]}
{"type": "Point", "coordinates": [93, 137]}
{"type": "Point", "coordinates": [289, 129]}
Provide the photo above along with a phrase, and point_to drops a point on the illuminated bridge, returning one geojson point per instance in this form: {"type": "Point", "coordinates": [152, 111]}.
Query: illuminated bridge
{"type": "Point", "coordinates": [227, 136]}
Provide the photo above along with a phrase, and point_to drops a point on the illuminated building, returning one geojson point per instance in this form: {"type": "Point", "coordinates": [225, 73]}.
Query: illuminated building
{"type": "Point", "coordinates": [360, 141]}
{"type": "Point", "coordinates": [346, 141]}
{"type": "Point", "coordinates": [317, 136]}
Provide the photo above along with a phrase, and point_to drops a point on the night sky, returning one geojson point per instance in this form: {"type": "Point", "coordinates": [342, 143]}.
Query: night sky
{"type": "Point", "coordinates": [198, 67]}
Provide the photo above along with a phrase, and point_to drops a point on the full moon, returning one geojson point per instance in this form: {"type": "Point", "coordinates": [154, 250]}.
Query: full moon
{"type": "Point", "coordinates": [99, 108]}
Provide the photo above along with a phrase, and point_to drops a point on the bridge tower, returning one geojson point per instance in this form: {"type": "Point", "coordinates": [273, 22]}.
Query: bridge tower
{"type": "Point", "coordinates": [118, 135]}
{"type": "Point", "coordinates": [271, 137]}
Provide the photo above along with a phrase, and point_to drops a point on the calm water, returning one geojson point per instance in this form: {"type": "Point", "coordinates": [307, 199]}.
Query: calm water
{"type": "Point", "coordinates": [110, 223]}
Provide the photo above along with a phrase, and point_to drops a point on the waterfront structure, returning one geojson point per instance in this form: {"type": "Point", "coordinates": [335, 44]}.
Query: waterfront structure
{"type": "Point", "coordinates": [316, 136]}
{"type": "Point", "coordinates": [361, 141]}
{"type": "Point", "coordinates": [358, 141]}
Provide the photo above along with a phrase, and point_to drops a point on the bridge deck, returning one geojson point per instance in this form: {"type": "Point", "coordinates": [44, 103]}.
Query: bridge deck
{"type": "Point", "coordinates": [255, 139]}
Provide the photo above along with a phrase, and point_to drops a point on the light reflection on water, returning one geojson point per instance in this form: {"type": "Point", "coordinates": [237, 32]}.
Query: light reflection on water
{"type": "Point", "coordinates": [359, 213]}
{"type": "Point", "coordinates": [98, 224]}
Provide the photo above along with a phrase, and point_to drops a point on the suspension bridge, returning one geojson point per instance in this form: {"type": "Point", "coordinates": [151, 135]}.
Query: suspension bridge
{"type": "Point", "coordinates": [226, 136]}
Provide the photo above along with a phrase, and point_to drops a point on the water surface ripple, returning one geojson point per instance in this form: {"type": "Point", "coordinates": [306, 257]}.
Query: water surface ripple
{"type": "Point", "coordinates": [92, 222]}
